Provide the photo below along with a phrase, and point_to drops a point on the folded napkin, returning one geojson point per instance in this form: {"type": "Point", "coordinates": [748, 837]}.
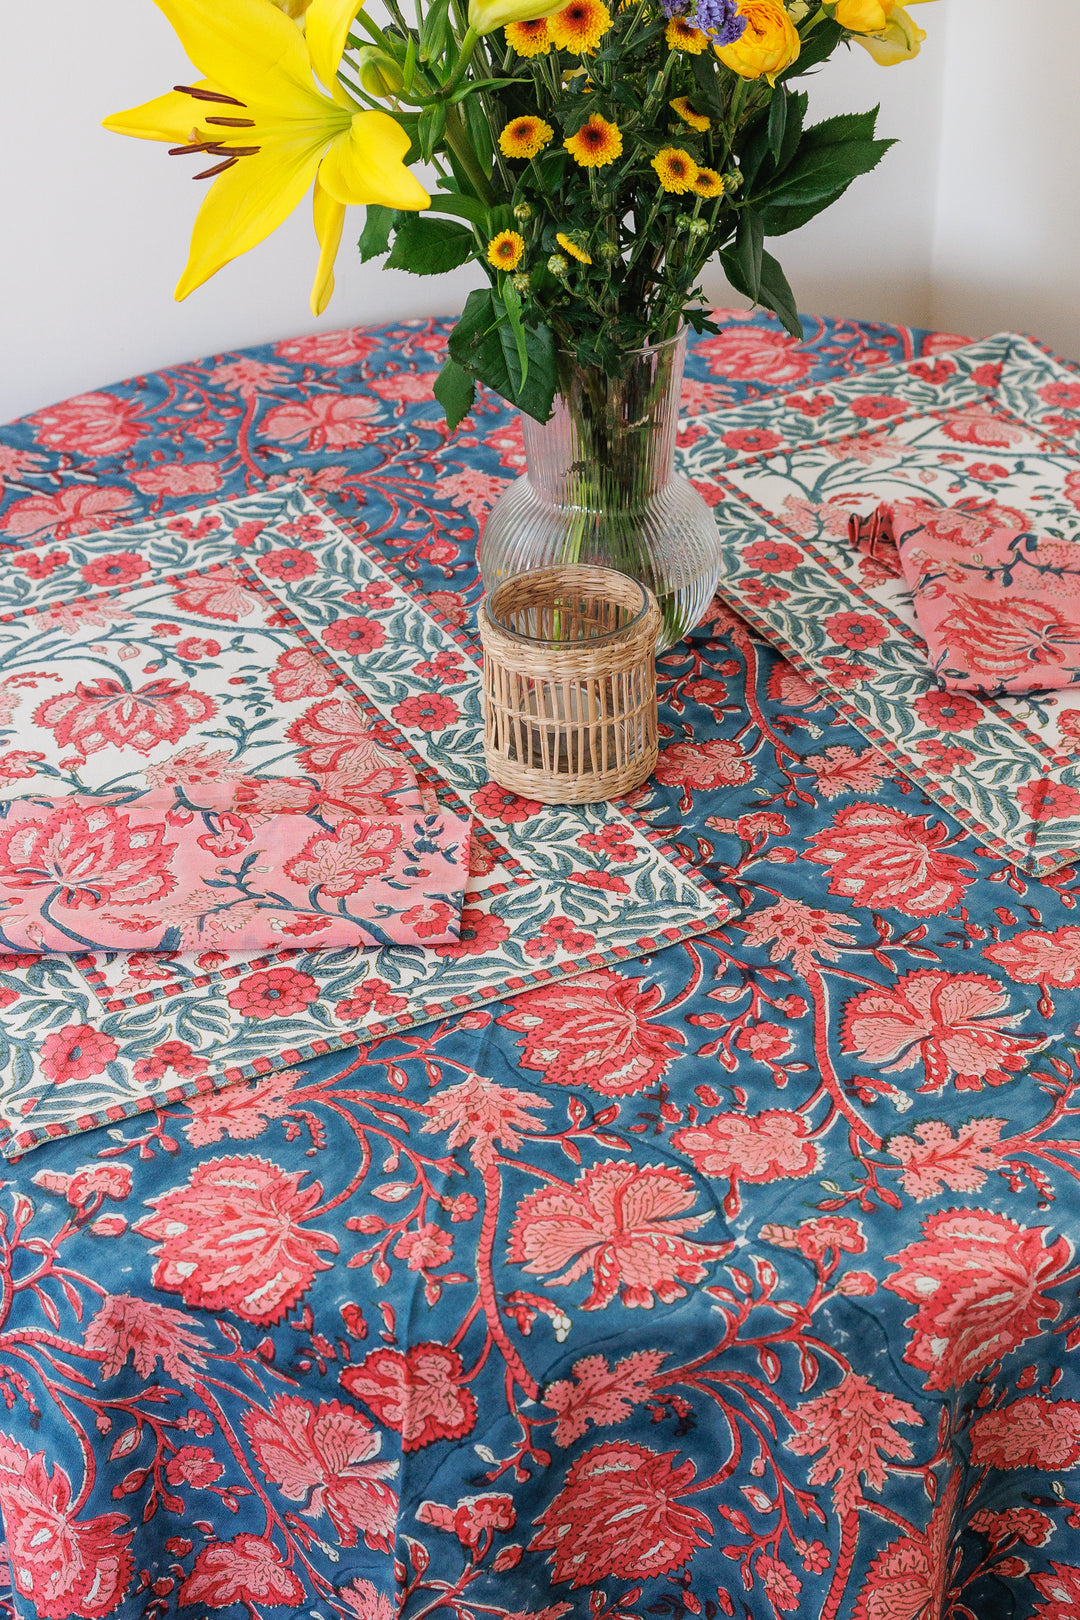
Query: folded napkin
{"type": "Point", "coordinates": [248, 865]}
{"type": "Point", "coordinates": [997, 604]}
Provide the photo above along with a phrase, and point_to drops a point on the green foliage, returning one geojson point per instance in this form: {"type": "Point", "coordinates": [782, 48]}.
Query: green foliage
{"type": "Point", "coordinates": [455, 391]}
{"type": "Point", "coordinates": [428, 245]}
{"type": "Point", "coordinates": [485, 345]}
{"type": "Point", "coordinates": [375, 237]}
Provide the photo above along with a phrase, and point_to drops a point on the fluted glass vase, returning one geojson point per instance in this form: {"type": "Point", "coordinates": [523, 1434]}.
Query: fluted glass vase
{"type": "Point", "coordinates": [601, 488]}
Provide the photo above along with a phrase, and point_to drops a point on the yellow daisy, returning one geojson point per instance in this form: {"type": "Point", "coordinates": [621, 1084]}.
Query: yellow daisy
{"type": "Point", "coordinates": [684, 107]}
{"type": "Point", "coordinates": [596, 143]}
{"type": "Point", "coordinates": [505, 250]}
{"type": "Point", "coordinates": [580, 26]}
{"type": "Point", "coordinates": [683, 36]}
{"type": "Point", "coordinates": [529, 38]}
{"type": "Point", "coordinates": [524, 137]}
{"type": "Point", "coordinates": [568, 245]}
{"type": "Point", "coordinates": [676, 168]}
{"type": "Point", "coordinates": [708, 184]}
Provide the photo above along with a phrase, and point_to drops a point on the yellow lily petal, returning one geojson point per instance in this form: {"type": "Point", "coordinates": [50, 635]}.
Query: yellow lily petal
{"type": "Point", "coordinates": [249, 201]}
{"type": "Point", "coordinates": [898, 42]}
{"type": "Point", "coordinates": [328, 24]}
{"type": "Point", "coordinates": [364, 165]}
{"type": "Point", "coordinates": [250, 48]}
{"type": "Point", "coordinates": [329, 220]}
{"type": "Point", "coordinates": [171, 118]}
{"type": "Point", "coordinates": [486, 15]}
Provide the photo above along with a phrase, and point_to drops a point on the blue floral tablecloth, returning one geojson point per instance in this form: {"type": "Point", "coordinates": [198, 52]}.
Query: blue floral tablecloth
{"type": "Point", "coordinates": [738, 1280]}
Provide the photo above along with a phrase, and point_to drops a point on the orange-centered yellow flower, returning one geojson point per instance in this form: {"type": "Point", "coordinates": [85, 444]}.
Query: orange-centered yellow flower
{"type": "Point", "coordinates": [568, 245]}
{"type": "Point", "coordinates": [580, 26]}
{"type": "Point", "coordinates": [505, 250]}
{"type": "Point", "coordinates": [769, 44]}
{"type": "Point", "coordinates": [685, 109]}
{"type": "Point", "coordinates": [270, 132]}
{"type": "Point", "coordinates": [683, 36]}
{"type": "Point", "coordinates": [529, 38]}
{"type": "Point", "coordinates": [708, 183]}
{"type": "Point", "coordinates": [524, 137]}
{"type": "Point", "coordinates": [676, 169]}
{"type": "Point", "coordinates": [596, 143]}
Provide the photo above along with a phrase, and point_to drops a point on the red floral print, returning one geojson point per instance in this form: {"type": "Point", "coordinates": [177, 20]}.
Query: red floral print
{"type": "Point", "coordinates": [752, 351]}
{"type": "Point", "coordinates": [474, 1520]}
{"type": "Point", "coordinates": [418, 1393]}
{"type": "Point", "coordinates": [781, 1583]}
{"type": "Point", "coordinates": [1008, 643]}
{"type": "Point", "coordinates": [498, 803]}
{"type": "Point", "coordinates": [755, 441]}
{"type": "Point", "coordinates": [908, 1580]}
{"type": "Point", "coordinates": [560, 934]}
{"type": "Point", "coordinates": [772, 556]}
{"type": "Point", "coordinates": [222, 594]}
{"type": "Point", "coordinates": [103, 713]}
{"type": "Point", "coordinates": [878, 407]}
{"type": "Point", "coordinates": [335, 736]}
{"type": "Point", "coordinates": [325, 422]}
{"type": "Point", "coordinates": [1035, 957]}
{"type": "Point", "coordinates": [702, 766]}
{"type": "Point", "coordinates": [431, 919]}
{"type": "Point", "coordinates": [599, 1394]}
{"type": "Point", "coordinates": [480, 1113]}
{"type": "Point", "coordinates": [299, 674]}
{"type": "Point", "coordinates": [619, 1515]}
{"type": "Point", "coordinates": [1026, 1525]}
{"type": "Point", "coordinates": [623, 1223]}
{"type": "Point", "coordinates": [75, 510]}
{"type": "Point", "coordinates": [96, 424]}
{"type": "Point", "coordinates": [193, 1465]}
{"type": "Point", "coordinates": [933, 1158]}
{"type": "Point", "coordinates": [119, 568]}
{"type": "Point", "coordinates": [771, 1146]}
{"type": "Point", "coordinates": [76, 1052]}
{"type": "Point", "coordinates": [480, 933]}
{"type": "Point", "coordinates": [1059, 1587]}
{"type": "Point", "coordinates": [274, 993]}
{"type": "Point", "coordinates": [854, 1425]}
{"type": "Point", "coordinates": [1048, 801]}
{"type": "Point", "coordinates": [287, 563]}
{"type": "Point", "coordinates": [177, 478]}
{"type": "Point", "coordinates": [1030, 1433]}
{"type": "Point", "coordinates": [956, 1026]}
{"type": "Point", "coordinates": [856, 631]}
{"type": "Point", "coordinates": [239, 1112]}
{"type": "Point", "coordinates": [843, 770]}
{"type": "Point", "coordinates": [425, 1248]}
{"type": "Point", "coordinates": [147, 1332]}
{"type": "Point", "coordinates": [431, 712]}
{"type": "Point", "coordinates": [63, 1566]}
{"type": "Point", "coordinates": [356, 635]}
{"type": "Point", "coordinates": [594, 1030]}
{"type": "Point", "coordinates": [976, 425]}
{"type": "Point", "coordinates": [949, 711]}
{"type": "Point", "coordinates": [246, 1570]}
{"type": "Point", "coordinates": [323, 1456]}
{"type": "Point", "coordinates": [977, 1280]}
{"type": "Point", "coordinates": [880, 856]}
{"type": "Point", "coordinates": [88, 1186]}
{"type": "Point", "coordinates": [805, 934]}
{"type": "Point", "coordinates": [341, 862]}
{"type": "Point", "coordinates": [87, 856]}
{"type": "Point", "coordinates": [232, 1238]}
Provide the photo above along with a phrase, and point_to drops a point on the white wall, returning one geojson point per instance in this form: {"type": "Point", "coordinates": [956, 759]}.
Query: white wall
{"type": "Point", "coordinates": [973, 222]}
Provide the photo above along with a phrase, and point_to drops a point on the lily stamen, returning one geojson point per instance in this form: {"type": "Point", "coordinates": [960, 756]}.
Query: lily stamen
{"type": "Point", "coordinates": [207, 95]}
{"type": "Point", "coordinates": [232, 123]}
{"type": "Point", "coordinates": [219, 168]}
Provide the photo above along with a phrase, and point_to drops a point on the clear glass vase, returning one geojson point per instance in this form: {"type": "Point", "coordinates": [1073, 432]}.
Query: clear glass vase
{"type": "Point", "coordinates": [601, 488]}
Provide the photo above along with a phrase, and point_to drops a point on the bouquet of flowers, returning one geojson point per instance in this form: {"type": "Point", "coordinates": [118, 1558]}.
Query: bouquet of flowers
{"type": "Point", "coordinates": [592, 156]}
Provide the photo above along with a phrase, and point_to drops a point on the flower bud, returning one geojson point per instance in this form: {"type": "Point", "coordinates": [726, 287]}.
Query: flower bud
{"type": "Point", "coordinates": [521, 281]}
{"type": "Point", "coordinates": [522, 211]}
{"type": "Point", "coordinates": [558, 265]}
{"type": "Point", "coordinates": [378, 73]}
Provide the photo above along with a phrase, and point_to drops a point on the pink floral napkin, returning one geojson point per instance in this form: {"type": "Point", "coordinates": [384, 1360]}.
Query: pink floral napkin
{"type": "Point", "coordinates": [246, 865]}
{"type": "Point", "coordinates": [997, 604]}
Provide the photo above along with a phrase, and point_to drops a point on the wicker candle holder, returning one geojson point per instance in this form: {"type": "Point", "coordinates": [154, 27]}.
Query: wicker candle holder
{"type": "Point", "coordinates": [570, 684]}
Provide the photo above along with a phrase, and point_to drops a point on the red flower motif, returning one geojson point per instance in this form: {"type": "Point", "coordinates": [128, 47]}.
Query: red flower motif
{"type": "Point", "coordinates": [104, 713]}
{"type": "Point", "coordinates": [497, 803]}
{"type": "Point", "coordinates": [1031, 1433]}
{"type": "Point", "coordinates": [625, 1224]}
{"type": "Point", "coordinates": [342, 862]}
{"type": "Point", "coordinates": [854, 1425]}
{"type": "Point", "coordinates": [1059, 1587]}
{"type": "Point", "coordinates": [232, 1238]}
{"type": "Point", "coordinates": [96, 424]}
{"type": "Point", "coordinates": [976, 1279]}
{"type": "Point", "coordinates": [287, 562]}
{"type": "Point", "coordinates": [425, 1248]}
{"type": "Point", "coordinates": [754, 351]}
{"type": "Point", "coordinates": [322, 1456]}
{"type": "Point", "coordinates": [431, 919]}
{"type": "Point", "coordinates": [480, 933]}
{"type": "Point", "coordinates": [196, 648]}
{"type": "Point", "coordinates": [220, 594]}
{"type": "Point", "coordinates": [782, 1585]}
{"type": "Point", "coordinates": [89, 1185]}
{"type": "Point", "coordinates": [770, 1146]}
{"type": "Point", "coordinates": [274, 993]}
{"type": "Point", "coordinates": [75, 1053]}
{"type": "Point", "coordinates": [934, 1159]}
{"type": "Point", "coordinates": [478, 1112]}
{"type": "Point", "coordinates": [356, 635]}
{"type": "Point", "coordinates": [938, 755]}
{"type": "Point", "coordinates": [325, 422]}
{"type": "Point", "coordinates": [702, 767]}
{"type": "Point", "coordinates": [755, 441]}
{"type": "Point", "coordinates": [118, 568]}
{"type": "Point", "coordinates": [149, 1333]}
{"type": "Point", "coordinates": [1048, 801]}
{"type": "Point", "coordinates": [856, 631]}
{"type": "Point", "coordinates": [240, 1112]}
{"type": "Point", "coordinates": [177, 478]}
{"type": "Point", "coordinates": [418, 1393]}
{"type": "Point", "coordinates": [949, 711]}
{"type": "Point", "coordinates": [299, 674]}
{"type": "Point", "coordinates": [76, 510]}
{"type": "Point", "coordinates": [559, 933]}
{"type": "Point", "coordinates": [368, 998]}
{"type": "Point", "coordinates": [772, 556]}
{"type": "Point", "coordinates": [841, 770]}
{"type": "Point", "coordinates": [955, 1025]}
{"type": "Point", "coordinates": [88, 856]}
{"type": "Point", "coordinates": [245, 1570]}
{"type": "Point", "coordinates": [431, 712]}
{"type": "Point", "coordinates": [345, 348]}
{"type": "Point", "coordinates": [1034, 957]}
{"type": "Point", "coordinates": [335, 736]}
{"type": "Point", "coordinates": [878, 407]}
{"type": "Point", "coordinates": [193, 1465]}
{"type": "Point", "coordinates": [474, 1520]}
{"type": "Point", "coordinates": [63, 1566]}
{"type": "Point", "coordinates": [879, 856]}
{"type": "Point", "coordinates": [1004, 641]}
{"type": "Point", "coordinates": [977, 425]}
{"type": "Point", "coordinates": [766, 1042]}
{"type": "Point", "coordinates": [619, 1515]}
{"type": "Point", "coordinates": [594, 1031]}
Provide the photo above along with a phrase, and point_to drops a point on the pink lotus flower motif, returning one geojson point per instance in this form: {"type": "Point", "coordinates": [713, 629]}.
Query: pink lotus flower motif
{"type": "Point", "coordinates": [87, 856]}
{"type": "Point", "coordinates": [233, 1238]}
{"type": "Point", "coordinates": [843, 770]}
{"type": "Point", "coordinates": [474, 1520]}
{"type": "Point", "coordinates": [483, 1115]}
{"type": "Point", "coordinates": [619, 1515]}
{"type": "Point", "coordinates": [240, 1112]}
{"type": "Point", "coordinates": [325, 422]}
{"type": "Point", "coordinates": [299, 674]}
{"type": "Point", "coordinates": [754, 1148]}
{"type": "Point", "coordinates": [342, 862]}
{"type": "Point", "coordinates": [195, 1466]}
{"type": "Point", "coordinates": [933, 1158]}
{"type": "Point", "coordinates": [974, 424]}
{"type": "Point", "coordinates": [977, 1280]}
{"type": "Point", "coordinates": [219, 593]}
{"type": "Point", "coordinates": [700, 767]}
{"type": "Point", "coordinates": [79, 509]}
{"type": "Point", "coordinates": [364, 1600]}
{"type": "Point", "coordinates": [853, 1425]}
{"type": "Point", "coordinates": [955, 1026]}
{"type": "Point", "coordinates": [322, 1456]}
{"type": "Point", "coordinates": [127, 1326]}
{"type": "Point", "coordinates": [335, 735]}
{"type": "Point", "coordinates": [103, 714]}
{"type": "Point", "coordinates": [65, 1568]}
{"type": "Point", "coordinates": [819, 1236]}
{"type": "Point", "coordinates": [247, 1570]}
{"type": "Point", "coordinates": [97, 424]}
{"type": "Point", "coordinates": [781, 1583]}
{"type": "Point", "coordinates": [1035, 957]}
{"type": "Point", "coordinates": [345, 348]}
{"type": "Point", "coordinates": [754, 352]}
{"type": "Point", "coordinates": [623, 1223]}
{"type": "Point", "coordinates": [878, 856]}
{"type": "Point", "coordinates": [1004, 641]}
{"type": "Point", "coordinates": [596, 1031]}
{"type": "Point", "coordinates": [1059, 1587]}
{"type": "Point", "coordinates": [89, 1185]}
{"type": "Point", "coordinates": [1030, 1433]}
{"type": "Point", "coordinates": [425, 1248]}
{"type": "Point", "coordinates": [178, 478]}
{"type": "Point", "coordinates": [1026, 1525]}
{"type": "Point", "coordinates": [798, 933]}
{"type": "Point", "coordinates": [599, 1394]}
{"type": "Point", "coordinates": [418, 1392]}
{"type": "Point", "coordinates": [908, 1579]}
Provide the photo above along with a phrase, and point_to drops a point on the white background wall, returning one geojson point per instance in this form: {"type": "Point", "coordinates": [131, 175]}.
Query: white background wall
{"type": "Point", "coordinates": [972, 224]}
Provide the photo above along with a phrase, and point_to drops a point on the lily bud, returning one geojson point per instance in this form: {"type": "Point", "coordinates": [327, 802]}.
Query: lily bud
{"type": "Point", "coordinates": [378, 73]}
{"type": "Point", "coordinates": [292, 8]}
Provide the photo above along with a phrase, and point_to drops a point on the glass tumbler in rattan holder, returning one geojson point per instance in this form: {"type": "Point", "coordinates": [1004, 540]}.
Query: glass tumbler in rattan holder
{"type": "Point", "coordinates": [570, 684]}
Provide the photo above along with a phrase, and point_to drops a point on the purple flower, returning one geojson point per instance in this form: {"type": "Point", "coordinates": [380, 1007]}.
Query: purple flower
{"type": "Point", "coordinates": [720, 20]}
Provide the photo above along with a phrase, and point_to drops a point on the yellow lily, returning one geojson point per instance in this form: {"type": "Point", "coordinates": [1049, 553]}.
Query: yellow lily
{"type": "Point", "coordinates": [260, 114]}
{"type": "Point", "coordinates": [883, 27]}
{"type": "Point", "coordinates": [487, 15]}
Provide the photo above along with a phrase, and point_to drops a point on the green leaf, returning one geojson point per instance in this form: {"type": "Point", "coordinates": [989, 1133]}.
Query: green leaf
{"type": "Point", "coordinates": [707, 80]}
{"type": "Point", "coordinates": [512, 304]}
{"type": "Point", "coordinates": [779, 221]}
{"type": "Point", "coordinates": [818, 171]}
{"type": "Point", "coordinates": [435, 31]}
{"type": "Point", "coordinates": [777, 122]}
{"type": "Point", "coordinates": [455, 391]}
{"type": "Point", "coordinates": [748, 250]}
{"type": "Point", "coordinates": [429, 246]}
{"type": "Point", "coordinates": [797, 104]}
{"type": "Point", "coordinates": [430, 127]}
{"type": "Point", "coordinates": [375, 237]}
{"type": "Point", "coordinates": [478, 346]}
{"type": "Point", "coordinates": [817, 48]}
{"type": "Point", "coordinates": [465, 207]}
{"type": "Point", "coordinates": [776, 294]}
